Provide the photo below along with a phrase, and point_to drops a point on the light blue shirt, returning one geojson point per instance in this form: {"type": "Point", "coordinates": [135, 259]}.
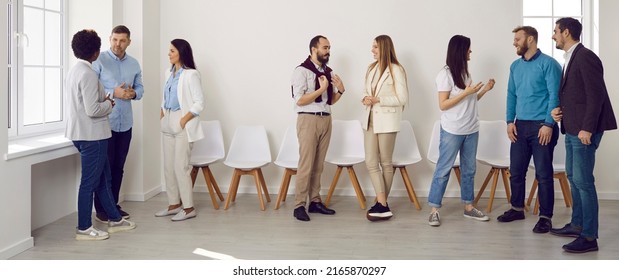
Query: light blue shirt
{"type": "Point", "coordinates": [170, 91]}
{"type": "Point", "coordinates": [533, 89]}
{"type": "Point", "coordinates": [112, 72]}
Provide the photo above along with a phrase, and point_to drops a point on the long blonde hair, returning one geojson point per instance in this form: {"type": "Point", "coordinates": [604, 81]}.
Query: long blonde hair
{"type": "Point", "coordinates": [386, 57]}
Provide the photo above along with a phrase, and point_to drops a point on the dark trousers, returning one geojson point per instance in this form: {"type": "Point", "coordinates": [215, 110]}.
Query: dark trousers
{"type": "Point", "coordinates": [118, 148]}
{"type": "Point", "coordinates": [527, 145]}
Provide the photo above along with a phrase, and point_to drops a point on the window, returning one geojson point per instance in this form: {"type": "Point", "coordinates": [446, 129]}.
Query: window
{"type": "Point", "coordinates": [542, 14]}
{"type": "Point", "coordinates": [36, 66]}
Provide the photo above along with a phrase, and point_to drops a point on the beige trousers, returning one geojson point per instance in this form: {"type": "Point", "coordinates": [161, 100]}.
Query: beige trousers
{"type": "Point", "coordinates": [378, 158]}
{"type": "Point", "coordinates": [176, 155]}
{"type": "Point", "coordinates": [314, 134]}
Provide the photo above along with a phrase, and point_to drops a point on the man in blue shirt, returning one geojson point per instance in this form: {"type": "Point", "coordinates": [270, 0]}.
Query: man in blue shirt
{"type": "Point", "coordinates": [532, 93]}
{"type": "Point", "coordinates": [121, 77]}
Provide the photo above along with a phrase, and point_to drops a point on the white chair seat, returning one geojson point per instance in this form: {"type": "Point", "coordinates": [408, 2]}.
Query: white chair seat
{"type": "Point", "coordinates": [495, 162]}
{"type": "Point", "coordinates": [201, 161]}
{"type": "Point", "coordinates": [433, 149]}
{"type": "Point", "coordinates": [292, 164]}
{"type": "Point", "coordinates": [246, 165]}
{"type": "Point", "coordinates": [345, 161]}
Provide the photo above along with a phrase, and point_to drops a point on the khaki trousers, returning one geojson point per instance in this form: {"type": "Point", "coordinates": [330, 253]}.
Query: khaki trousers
{"type": "Point", "coordinates": [379, 151]}
{"type": "Point", "coordinates": [314, 134]}
{"type": "Point", "coordinates": [176, 155]}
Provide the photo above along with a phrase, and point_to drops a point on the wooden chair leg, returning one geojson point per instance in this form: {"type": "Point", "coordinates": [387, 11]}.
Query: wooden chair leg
{"type": "Point", "coordinates": [194, 175]}
{"type": "Point", "coordinates": [409, 187]}
{"type": "Point", "coordinates": [532, 193]}
{"type": "Point", "coordinates": [234, 184]}
{"type": "Point", "coordinates": [283, 189]}
{"type": "Point", "coordinates": [209, 185]}
{"type": "Point", "coordinates": [338, 171]}
{"type": "Point", "coordinates": [264, 185]}
{"type": "Point", "coordinates": [565, 188]}
{"type": "Point", "coordinates": [495, 181]}
{"type": "Point", "coordinates": [356, 186]}
{"type": "Point", "coordinates": [505, 173]}
{"type": "Point", "coordinates": [256, 175]}
{"type": "Point", "coordinates": [215, 186]}
{"type": "Point", "coordinates": [483, 186]}
{"type": "Point", "coordinates": [458, 174]}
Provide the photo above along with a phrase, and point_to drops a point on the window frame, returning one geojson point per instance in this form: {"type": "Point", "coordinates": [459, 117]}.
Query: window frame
{"type": "Point", "coordinates": [17, 39]}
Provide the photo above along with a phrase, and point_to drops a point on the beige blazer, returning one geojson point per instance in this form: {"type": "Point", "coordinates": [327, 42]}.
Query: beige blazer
{"type": "Point", "coordinates": [87, 108]}
{"type": "Point", "coordinates": [191, 99]}
{"type": "Point", "coordinates": [392, 89]}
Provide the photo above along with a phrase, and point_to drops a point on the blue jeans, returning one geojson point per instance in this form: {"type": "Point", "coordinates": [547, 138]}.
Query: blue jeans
{"type": "Point", "coordinates": [527, 145]}
{"type": "Point", "coordinates": [95, 179]}
{"type": "Point", "coordinates": [579, 164]}
{"type": "Point", "coordinates": [117, 150]}
{"type": "Point", "coordinates": [449, 146]}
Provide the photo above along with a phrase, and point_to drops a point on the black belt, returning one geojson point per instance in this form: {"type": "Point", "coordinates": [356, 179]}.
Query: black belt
{"type": "Point", "coordinates": [316, 113]}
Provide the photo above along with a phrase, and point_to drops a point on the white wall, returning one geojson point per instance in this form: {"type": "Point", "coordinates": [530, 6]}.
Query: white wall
{"type": "Point", "coordinates": [246, 51]}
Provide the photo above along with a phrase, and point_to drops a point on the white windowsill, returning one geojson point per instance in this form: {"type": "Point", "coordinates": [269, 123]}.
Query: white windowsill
{"type": "Point", "coordinates": [35, 145]}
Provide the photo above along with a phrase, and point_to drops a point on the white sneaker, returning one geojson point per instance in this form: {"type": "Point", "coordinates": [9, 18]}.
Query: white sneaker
{"type": "Point", "coordinates": [182, 215]}
{"type": "Point", "coordinates": [435, 219]}
{"type": "Point", "coordinates": [91, 234]}
{"type": "Point", "coordinates": [166, 212]}
{"type": "Point", "coordinates": [122, 225]}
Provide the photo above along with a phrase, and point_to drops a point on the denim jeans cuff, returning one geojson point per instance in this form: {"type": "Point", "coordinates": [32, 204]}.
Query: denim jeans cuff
{"type": "Point", "coordinates": [434, 205]}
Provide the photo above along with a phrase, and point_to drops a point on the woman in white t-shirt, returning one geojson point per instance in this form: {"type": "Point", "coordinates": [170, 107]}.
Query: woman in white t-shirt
{"type": "Point", "coordinates": [457, 99]}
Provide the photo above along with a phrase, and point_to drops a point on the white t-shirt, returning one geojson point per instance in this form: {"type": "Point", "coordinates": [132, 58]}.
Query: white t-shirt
{"type": "Point", "coordinates": [461, 119]}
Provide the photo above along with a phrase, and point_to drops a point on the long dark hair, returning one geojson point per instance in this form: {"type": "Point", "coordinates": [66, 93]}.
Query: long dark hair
{"type": "Point", "coordinates": [185, 53]}
{"type": "Point", "coordinates": [457, 52]}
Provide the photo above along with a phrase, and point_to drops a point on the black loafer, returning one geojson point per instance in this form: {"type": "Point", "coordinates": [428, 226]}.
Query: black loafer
{"type": "Point", "coordinates": [581, 245]}
{"type": "Point", "coordinates": [300, 214]}
{"type": "Point", "coordinates": [318, 207]}
{"type": "Point", "coordinates": [566, 231]}
{"type": "Point", "coordinates": [511, 215]}
{"type": "Point", "coordinates": [543, 226]}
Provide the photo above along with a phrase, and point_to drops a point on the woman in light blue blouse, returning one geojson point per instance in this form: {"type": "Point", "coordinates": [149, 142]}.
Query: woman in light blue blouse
{"type": "Point", "coordinates": [183, 101]}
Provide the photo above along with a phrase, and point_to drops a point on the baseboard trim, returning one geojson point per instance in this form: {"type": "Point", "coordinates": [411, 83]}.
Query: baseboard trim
{"type": "Point", "coordinates": [16, 248]}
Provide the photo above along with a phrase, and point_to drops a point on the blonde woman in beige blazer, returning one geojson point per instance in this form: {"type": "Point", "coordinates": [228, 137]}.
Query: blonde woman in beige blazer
{"type": "Point", "coordinates": [386, 94]}
{"type": "Point", "coordinates": [183, 101]}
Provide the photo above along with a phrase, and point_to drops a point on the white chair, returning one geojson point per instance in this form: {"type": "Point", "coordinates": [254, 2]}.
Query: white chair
{"type": "Point", "coordinates": [433, 150]}
{"type": "Point", "coordinates": [205, 152]}
{"type": "Point", "coordinates": [288, 158]}
{"type": "Point", "coordinates": [558, 165]}
{"type": "Point", "coordinates": [406, 152]}
{"type": "Point", "coordinates": [493, 150]}
{"type": "Point", "coordinates": [248, 153]}
{"type": "Point", "coordinates": [345, 150]}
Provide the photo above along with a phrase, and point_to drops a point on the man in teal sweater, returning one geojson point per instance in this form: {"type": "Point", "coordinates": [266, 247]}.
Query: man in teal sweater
{"type": "Point", "coordinates": [532, 93]}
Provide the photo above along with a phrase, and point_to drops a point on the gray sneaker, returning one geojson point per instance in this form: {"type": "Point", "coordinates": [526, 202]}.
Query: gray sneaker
{"type": "Point", "coordinates": [435, 219]}
{"type": "Point", "coordinates": [91, 234]}
{"type": "Point", "coordinates": [476, 214]}
{"type": "Point", "coordinates": [122, 225]}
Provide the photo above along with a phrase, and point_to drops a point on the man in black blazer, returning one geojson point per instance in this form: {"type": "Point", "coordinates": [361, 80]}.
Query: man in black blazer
{"type": "Point", "coordinates": [585, 113]}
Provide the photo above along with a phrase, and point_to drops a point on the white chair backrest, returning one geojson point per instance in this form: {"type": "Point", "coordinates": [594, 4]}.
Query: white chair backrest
{"type": "Point", "coordinates": [212, 145]}
{"type": "Point", "coordinates": [249, 143]}
{"type": "Point", "coordinates": [435, 140]}
{"type": "Point", "coordinates": [406, 149]}
{"type": "Point", "coordinates": [346, 140]}
{"type": "Point", "coordinates": [289, 150]}
{"type": "Point", "coordinates": [493, 142]}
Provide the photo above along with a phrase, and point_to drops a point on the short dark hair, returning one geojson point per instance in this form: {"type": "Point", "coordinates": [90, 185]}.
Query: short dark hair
{"type": "Point", "coordinates": [528, 30]}
{"type": "Point", "coordinates": [571, 24]}
{"type": "Point", "coordinates": [185, 53]}
{"type": "Point", "coordinates": [121, 29]}
{"type": "Point", "coordinates": [85, 44]}
{"type": "Point", "coordinates": [314, 42]}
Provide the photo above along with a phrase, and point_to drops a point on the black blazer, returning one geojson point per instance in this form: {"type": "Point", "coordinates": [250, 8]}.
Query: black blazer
{"type": "Point", "coordinates": [583, 96]}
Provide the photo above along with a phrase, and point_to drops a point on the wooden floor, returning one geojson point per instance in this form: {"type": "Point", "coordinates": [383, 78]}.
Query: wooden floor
{"type": "Point", "coordinates": [245, 232]}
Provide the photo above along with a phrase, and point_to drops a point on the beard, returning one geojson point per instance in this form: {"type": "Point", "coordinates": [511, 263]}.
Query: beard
{"type": "Point", "coordinates": [558, 45]}
{"type": "Point", "coordinates": [324, 59]}
{"type": "Point", "coordinates": [523, 49]}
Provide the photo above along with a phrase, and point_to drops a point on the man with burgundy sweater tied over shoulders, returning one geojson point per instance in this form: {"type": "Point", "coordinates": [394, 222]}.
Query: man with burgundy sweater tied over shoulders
{"type": "Point", "coordinates": [314, 90]}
